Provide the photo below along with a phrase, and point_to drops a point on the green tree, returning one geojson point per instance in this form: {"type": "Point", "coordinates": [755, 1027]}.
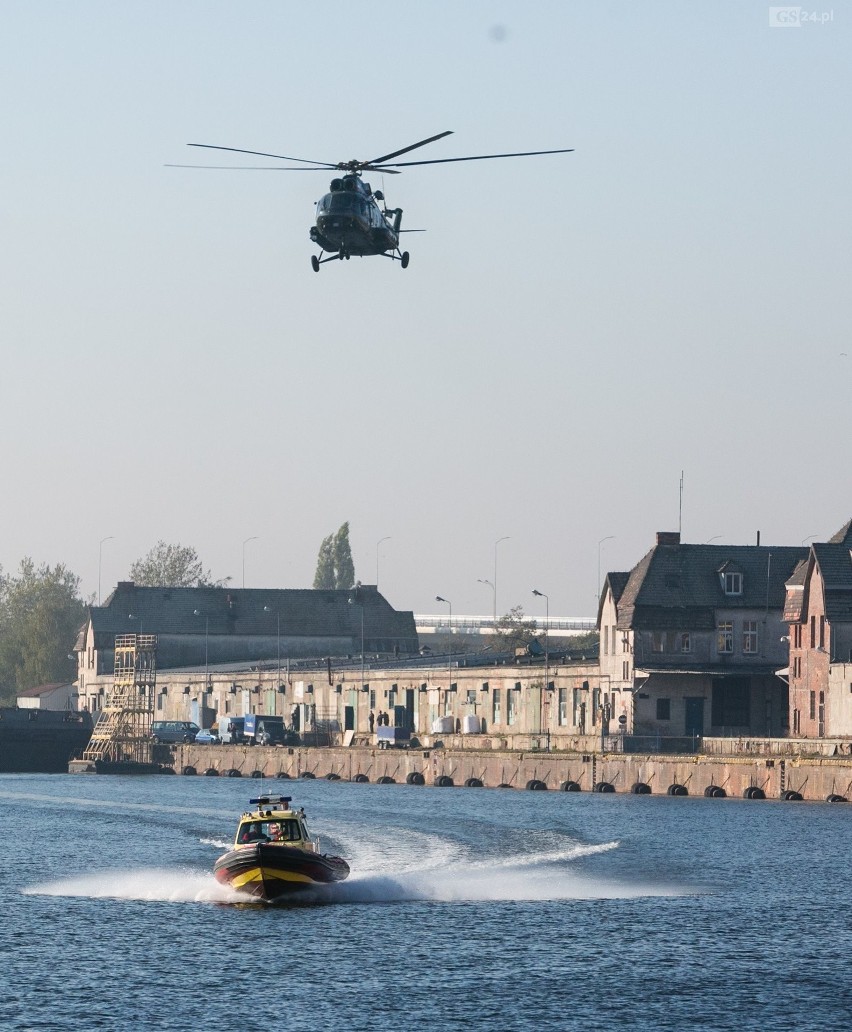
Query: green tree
{"type": "Point", "coordinates": [512, 631]}
{"type": "Point", "coordinates": [172, 566]}
{"type": "Point", "coordinates": [40, 615]}
{"type": "Point", "coordinates": [344, 568]}
{"type": "Point", "coordinates": [335, 568]}
{"type": "Point", "coordinates": [324, 576]}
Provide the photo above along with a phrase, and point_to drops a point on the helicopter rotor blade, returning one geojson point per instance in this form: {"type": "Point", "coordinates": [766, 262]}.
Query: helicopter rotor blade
{"type": "Point", "coordinates": [258, 168]}
{"type": "Point", "coordinates": [405, 150]}
{"type": "Point", "coordinates": [475, 157]}
{"type": "Point", "coordinates": [263, 154]}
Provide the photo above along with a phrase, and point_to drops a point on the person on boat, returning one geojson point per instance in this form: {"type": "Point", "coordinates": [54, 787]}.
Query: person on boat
{"type": "Point", "coordinates": [275, 833]}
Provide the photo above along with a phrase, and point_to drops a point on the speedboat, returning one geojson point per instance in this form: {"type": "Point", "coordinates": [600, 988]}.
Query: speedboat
{"type": "Point", "coordinates": [274, 856]}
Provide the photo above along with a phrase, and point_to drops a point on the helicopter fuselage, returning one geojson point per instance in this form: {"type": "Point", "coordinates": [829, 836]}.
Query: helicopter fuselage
{"type": "Point", "coordinates": [350, 221]}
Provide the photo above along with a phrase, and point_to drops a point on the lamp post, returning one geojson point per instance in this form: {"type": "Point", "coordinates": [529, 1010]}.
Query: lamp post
{"type": "Point", "coordinates": [447, 602]}
{"type": "Point", "coordinates": [266, 609]}
{"type": "Point", "coordinates": [354, 602]}
{"type": "Point", "coordinates": [252, 538]}
{"type": "Point", "coordinates": [480, 580]}
{"type": "Point", "coordinates": [197, 612]}
{"type": "Point", "coordinates": [546, 598]}
{"type": "Point", "coordinates": [609, 537]}
{"type": "Point", "coordinates": [379, 542]}
{"type": "Point", "coordinates": [496, 543]}
{"type": "Point", "coordinates": [100, 552]}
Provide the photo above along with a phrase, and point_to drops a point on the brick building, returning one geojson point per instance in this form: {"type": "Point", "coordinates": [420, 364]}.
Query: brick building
{"type": "Point", "coordinates": [818, 610]}
{"type": "Point", "coordinates": [692, 637]}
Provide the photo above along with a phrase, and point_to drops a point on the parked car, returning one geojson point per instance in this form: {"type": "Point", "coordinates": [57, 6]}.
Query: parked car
{"type": "Point", "coordinates": [174, 731]}
{"type": "Point", "coordinates": [207, 736]}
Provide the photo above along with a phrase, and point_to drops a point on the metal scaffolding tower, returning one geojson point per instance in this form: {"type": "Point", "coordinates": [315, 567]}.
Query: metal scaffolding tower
{"type": "Point", "coordinates": [123, 729]}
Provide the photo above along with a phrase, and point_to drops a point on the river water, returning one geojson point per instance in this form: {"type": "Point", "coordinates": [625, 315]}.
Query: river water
{"type": "Point", "coordinates": [467, 909]}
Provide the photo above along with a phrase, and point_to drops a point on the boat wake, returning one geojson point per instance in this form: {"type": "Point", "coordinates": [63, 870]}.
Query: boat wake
{"type": "Point", "coordinates": [537, 877]}
{"type": "Point", "coordinates": [147, 884]}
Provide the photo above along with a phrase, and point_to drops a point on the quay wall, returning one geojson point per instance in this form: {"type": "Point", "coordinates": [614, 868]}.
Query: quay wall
{"type": "Point", "coordinates": [812, 777]}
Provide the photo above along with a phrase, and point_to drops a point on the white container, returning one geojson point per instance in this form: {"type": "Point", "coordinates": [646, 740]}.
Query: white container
{"type": "Point", "coordinates": [443, 725]}
{"type": "Point", "coordinates": [472, 725]}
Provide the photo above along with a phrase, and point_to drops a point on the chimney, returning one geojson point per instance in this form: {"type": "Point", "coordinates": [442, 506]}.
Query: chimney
{"type": "Point", "coordinates": [758, 539]}
{"type": "Point", "coordinates": [668, 537]}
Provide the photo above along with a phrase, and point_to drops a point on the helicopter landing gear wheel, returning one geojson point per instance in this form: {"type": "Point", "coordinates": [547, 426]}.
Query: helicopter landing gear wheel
{"type": "Point", "coordinates": [315, 263]}
{"type": "Point", "coordinates": [404, 260]}
{"type": "Point", "coordinates": [342, 254]}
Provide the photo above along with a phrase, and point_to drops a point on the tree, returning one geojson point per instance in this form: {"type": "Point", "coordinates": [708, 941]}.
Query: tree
{"type": "Point", "coordinates": [40, 615]}
{"type": "Point", "coordinates": [513, 631]}
{"type": "Point", "coordinates": [324, 576]}
{"type": "Point", "coordinates": [172, 566]}
{"type": "Point", "coordinates": [344, 568]}
{"type": "Point", "coordinates": [335, 568]}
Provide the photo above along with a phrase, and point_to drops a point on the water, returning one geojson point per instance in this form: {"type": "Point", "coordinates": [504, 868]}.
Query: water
{"type": "Point", "coordinates": [467, 909]}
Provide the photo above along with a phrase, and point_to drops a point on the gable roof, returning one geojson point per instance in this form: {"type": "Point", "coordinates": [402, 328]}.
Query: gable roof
{"type": "Point", "coordinates": [834, 561]}
{"type": "Point", "coordinates": [253, 614]}
{"type": "Point", "coordinates": [679, 586]}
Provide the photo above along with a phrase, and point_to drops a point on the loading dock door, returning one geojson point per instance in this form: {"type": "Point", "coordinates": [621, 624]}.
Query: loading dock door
{"type": "Point", "coordinates": [694, 715]}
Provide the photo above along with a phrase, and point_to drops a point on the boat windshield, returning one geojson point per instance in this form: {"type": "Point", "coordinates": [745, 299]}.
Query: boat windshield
{"type": "Point", "coordinates": [270, 830]}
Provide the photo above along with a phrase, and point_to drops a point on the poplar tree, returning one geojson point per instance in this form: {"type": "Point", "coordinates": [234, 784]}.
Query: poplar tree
{"type": "Point", "coordinates": [344, 568]}
{"type": "Point", "coordinates": [324, 576]}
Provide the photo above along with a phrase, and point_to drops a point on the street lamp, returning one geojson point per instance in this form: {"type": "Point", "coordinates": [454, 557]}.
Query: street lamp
{"type": "Point", "coordinates": [353, 602]}
{"type": "Point", "coordinates": [546, 598]}
{"type": "Point", "coordinates": [377, 558]}
{"type": "Point", "coordinates": [252, 538]}
{"type": "Point", "coordinates": [266, 609]}
{"type": "Point", "coordinates": [496, 543]}
{"type": "Point", "coordinates": [447, 602]}
{"type": "Point", "coordinates": [100, 551]}
{"type": "Point", "coordinates": [609, 537]}
{"type": "Point", "coordinates": [480, 580]}
{"type": "Point", "coordinates": [197, 612]}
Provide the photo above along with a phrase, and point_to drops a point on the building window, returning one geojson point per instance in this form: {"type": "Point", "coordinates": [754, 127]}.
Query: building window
{"type": "Point", "coordinates": [625, 670]}
{"type": "Point", "coordinates": [750, 637]}
{"type": "Point", "coordinates": [813, 632]}
{"type": "Point", "coordinates": [725, 637]}
{"type": "Point", "coordinates": [625, 643]}
{"type": "Point", "coordinates": [606, 640]}
{"type": "Point", "coordinates": [471, 697]}
{"type": "Point", "coordinates": [495, 706]}
{"type": "Point", "coordinates": [813, 705]}
{"type": "Point", "coordinates": [797, 636]}
{"type": "Point", "coordinates": [563, 707]}
{"type": "Point", "coordinates": [664, 709]}
{"type": "Point", "coordinates": [511, 707]}
{"type": "Point", "coordinates": [822, 632]}
{"type": "Point", "coordinates": [733, 583]}
{"type": "Point", "coordinates": [658, 641]}
{"type": "Point", "coordinates": [685, 642]}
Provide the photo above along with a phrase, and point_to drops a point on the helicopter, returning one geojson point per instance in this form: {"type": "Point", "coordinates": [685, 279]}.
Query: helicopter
{"type": "Point", "coordinates": [349, 218]}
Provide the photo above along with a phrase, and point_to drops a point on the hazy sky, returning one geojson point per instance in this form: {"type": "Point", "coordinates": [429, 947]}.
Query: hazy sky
{"type": "Point", "coordinates": [573, 330]}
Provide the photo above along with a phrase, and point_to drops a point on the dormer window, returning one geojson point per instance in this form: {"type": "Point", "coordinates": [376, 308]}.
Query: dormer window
{"type": "Point", "coordinates": [732, 583]}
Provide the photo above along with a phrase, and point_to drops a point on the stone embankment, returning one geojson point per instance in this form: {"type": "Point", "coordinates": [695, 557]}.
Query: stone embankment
{"type": "Point", "coordinates": [757, 777]}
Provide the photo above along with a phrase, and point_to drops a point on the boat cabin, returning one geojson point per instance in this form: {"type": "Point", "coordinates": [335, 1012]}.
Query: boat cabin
{"type": "Point", "coordinates": [274, 821]}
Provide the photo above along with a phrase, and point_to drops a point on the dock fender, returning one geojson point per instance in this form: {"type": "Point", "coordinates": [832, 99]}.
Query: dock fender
{"type": "Point", "coordinates": [753, 792]}
{"type": "Point", "coordinates": [234, 773]}
{"type": "Point", "coordinates": [534, 785]}
{"type": "Point", "coordinates": [444, 781]}
{"type": "Point", "coordinates": [361, 779]}
{"type": "Point", "coordinates": [791, 796]}
{"type": "Point", "coordinates": [308, 775]}
{"type": "Point", "coordinates": [283, 775]}
{"type": "Point", "coordinates": [386, 779]}
{"type": "Point", "coordinates": [415, 778]}
{"type": "Point", "coordinates": [835, 798]}
{"type": "Point", "coordinates": [715, 792]}
{"type": "Point", "coordinates": [473, 783]}
{"type": "Point", "coordinates": [189, 770]}
{"type": "Point", "coordinates": [570, 786]}
{"type": "Point", "coordinates": [640, 788]}
{"type": "Point", "coordinates": [211, 772]}
{"type": "Point", "coordinates": [603, 786]}
{"type": "Point", "coordinates": [331, 776]}
{"type": "Point", "coordinates": [678, 790]}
